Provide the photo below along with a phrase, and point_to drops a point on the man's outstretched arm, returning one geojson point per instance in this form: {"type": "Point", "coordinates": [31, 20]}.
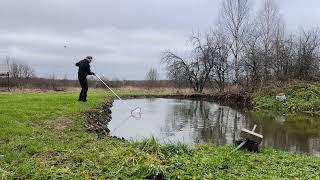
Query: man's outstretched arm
{"type": "Point", "coordinates": [89, 71]}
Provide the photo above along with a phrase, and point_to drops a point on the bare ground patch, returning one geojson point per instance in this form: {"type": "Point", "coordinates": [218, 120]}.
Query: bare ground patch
{"type": "Point", "coordinates": [60, 123]}
{"type": "Point", "coordinates": [99, 118]}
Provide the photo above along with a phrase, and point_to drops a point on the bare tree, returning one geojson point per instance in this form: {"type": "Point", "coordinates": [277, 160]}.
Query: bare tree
{"type": "Point", "coordinates": [218, 48]}
{"type": "Point", "coordinates": [14, 70]}
{"type": "Point", "coordinates": [268, 19]}
{"type": "Point", "coordinates": [283, 53]}
{"type": "Point", "coordinates": [21, 70]}
{"type": "Point", "coordinates": [234, 17]}
{"type": "Point", "coordinates": [252, 55]}
{"type": "Point", "coordinates": [195, 70]}
{"type": "Point", "coordinates": [26, 71]}
{"type": "Point", "coordinates": [53, 83]}
{"type": "Point", "coordinates": [65, 81]}
{"type": "Point", "coordinates": [307, 64]}
{"type": "Point", "coordinates": [152, 77]}
{"type": "Point", "coordinates": [262, 51]}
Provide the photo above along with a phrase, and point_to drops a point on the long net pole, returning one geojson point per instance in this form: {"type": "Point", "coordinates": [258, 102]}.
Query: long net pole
{"type": "Point", "coordinates": [108, 87]}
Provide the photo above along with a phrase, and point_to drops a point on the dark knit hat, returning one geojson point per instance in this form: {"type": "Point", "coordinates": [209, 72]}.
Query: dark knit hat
{"type": "Point", "coordinates": [89, 58]}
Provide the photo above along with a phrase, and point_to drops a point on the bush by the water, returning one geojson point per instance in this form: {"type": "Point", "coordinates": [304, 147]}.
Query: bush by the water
{"type": "Point", "coordinates": [301, 97]}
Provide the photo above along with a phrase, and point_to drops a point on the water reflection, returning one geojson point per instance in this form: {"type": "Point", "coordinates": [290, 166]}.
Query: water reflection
{"type": "Point", "coordinates": [193, 122]}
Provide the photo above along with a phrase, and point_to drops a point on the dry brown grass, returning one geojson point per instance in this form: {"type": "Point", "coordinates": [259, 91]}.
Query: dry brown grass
{"type": "Point", "coordinates": [137, 90]}
{"type": "Point", "coordinates": [59, 124]}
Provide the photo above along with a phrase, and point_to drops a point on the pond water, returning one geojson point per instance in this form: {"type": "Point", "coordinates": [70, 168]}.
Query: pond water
{"type": "Point", "coordinates": [195, 121]}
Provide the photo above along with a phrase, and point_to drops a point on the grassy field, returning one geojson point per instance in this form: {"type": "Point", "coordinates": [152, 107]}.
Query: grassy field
{"type": "Point", "coordinates": [42, 135]}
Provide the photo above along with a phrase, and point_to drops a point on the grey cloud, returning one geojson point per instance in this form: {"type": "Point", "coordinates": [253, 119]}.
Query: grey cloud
{"type": "Point", "coordinates": [78, 14]}
{"type": "Point", "coordinates": [125, 37]}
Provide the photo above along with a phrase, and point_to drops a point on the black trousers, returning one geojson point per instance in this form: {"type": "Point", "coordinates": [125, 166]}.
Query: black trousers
{"type": "Point", "coordinates": [84, 89]}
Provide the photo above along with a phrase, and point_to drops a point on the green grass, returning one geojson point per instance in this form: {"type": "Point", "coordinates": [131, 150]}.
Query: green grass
{"type": "Point", "coordinates": [301, 97]}
{"type": "Point", "coordinates": [42, 136]}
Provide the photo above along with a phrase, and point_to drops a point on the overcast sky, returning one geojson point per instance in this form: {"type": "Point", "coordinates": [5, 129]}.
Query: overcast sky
{"type": "Point", "coordinates": [125, 37]}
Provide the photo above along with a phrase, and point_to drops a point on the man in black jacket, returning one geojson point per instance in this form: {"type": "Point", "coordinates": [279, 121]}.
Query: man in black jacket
{"type": "Point", "coordinates": [84, 71]}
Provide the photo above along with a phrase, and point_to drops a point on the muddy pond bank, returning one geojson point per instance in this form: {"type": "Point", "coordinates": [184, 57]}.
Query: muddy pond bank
{"type": "Point", "coordinates": [99, 118]}
{"type": "Point", "coordinates": [239, 101]}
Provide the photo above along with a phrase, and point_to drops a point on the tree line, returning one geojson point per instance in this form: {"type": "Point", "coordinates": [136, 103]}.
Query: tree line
{"type": "Point", "coordinates": [246, 49]}
{"type": "Point", "coordinates": [21, 70]}
{"type": "Point", "coordinates": [22, 75]}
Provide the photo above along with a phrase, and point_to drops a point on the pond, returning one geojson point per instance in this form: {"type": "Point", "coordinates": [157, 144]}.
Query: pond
{"type": "Point", "coordinates": [196, 121]}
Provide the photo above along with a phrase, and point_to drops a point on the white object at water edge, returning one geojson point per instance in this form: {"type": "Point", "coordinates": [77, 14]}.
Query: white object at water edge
{"type": "Point", "coordinates": [281, 98]}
